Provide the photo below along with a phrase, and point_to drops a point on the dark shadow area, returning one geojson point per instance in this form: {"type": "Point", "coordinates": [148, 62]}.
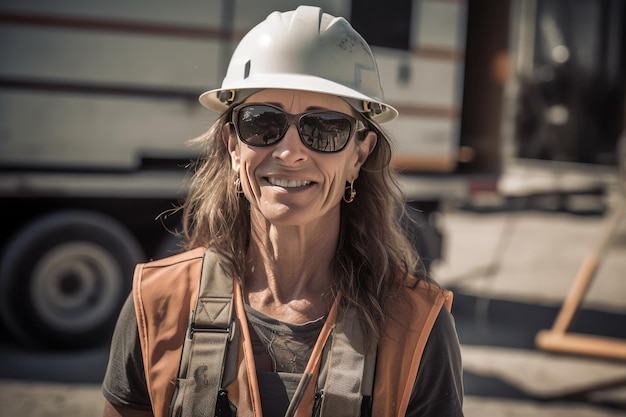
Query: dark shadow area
{"type": "Point", "coordinates": [494, 388]}
{"type": "Point", "coordinates": [591, 201]}
{"type": "Point", "coordinates": [78, 366]}
{"type": "Point", "coordinates": [514, 324]}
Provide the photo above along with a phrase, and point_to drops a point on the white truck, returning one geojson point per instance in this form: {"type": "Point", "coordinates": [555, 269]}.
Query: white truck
{"type": "Point", "coordinates": [97, 100]}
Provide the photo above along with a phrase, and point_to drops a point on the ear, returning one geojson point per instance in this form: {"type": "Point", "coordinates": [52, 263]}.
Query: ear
{"type": "Point", "coordinates": [367, 145]}
{"type": "Point", "coordinates": [230, 140]}
{"type": "Point", "coordinates": [364, 149]}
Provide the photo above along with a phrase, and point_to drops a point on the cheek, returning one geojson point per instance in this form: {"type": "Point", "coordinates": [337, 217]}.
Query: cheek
{"type": "Point", "coordinates": [248, 157]}
{"type": "Point", "coordinates": [339, 173]}
{"type": "Point", "coordinates": [347, 168]}
{"type": "Point", "coordinates": [249, 160]}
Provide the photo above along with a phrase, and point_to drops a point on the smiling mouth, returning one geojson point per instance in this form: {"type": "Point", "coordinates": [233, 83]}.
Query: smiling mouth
{"type": "Point", "coordinates": [288, 183]}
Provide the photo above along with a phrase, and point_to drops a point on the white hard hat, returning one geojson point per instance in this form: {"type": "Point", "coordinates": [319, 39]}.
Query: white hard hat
{"type": "Point", "coordinates": [304, 49]}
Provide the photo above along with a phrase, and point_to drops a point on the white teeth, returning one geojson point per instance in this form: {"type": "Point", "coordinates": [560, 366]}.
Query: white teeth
{"type": "Point", "coordinates": [288, 183]}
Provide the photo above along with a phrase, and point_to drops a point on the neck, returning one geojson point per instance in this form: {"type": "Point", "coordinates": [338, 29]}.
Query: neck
{"type": "Point", "coordinates": [289, 269]}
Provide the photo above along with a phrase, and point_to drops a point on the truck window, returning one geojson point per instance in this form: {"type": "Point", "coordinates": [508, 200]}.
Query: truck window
{"type": "Point", "coordinates": [383, 23]}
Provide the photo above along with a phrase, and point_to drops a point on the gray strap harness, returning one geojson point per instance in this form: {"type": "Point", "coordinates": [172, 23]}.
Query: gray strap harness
{"type": "Point", "coordinates": [209, 356]}
{"type": "Point", "coordinates": [350, 369]}
{"type": "Point", "coordinates": [210, 328]}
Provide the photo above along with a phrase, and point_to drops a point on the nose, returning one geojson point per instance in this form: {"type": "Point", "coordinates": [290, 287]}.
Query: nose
{"type": "Point", "coordinates": [290, 148]}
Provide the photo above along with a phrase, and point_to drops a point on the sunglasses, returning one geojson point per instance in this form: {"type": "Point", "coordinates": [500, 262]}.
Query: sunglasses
{"type": "Point", "coordinates": [324, 131]}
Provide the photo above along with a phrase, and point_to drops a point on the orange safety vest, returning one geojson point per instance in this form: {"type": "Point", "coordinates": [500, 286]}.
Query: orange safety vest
{"type": "Point", "coordinates": [165, 293]}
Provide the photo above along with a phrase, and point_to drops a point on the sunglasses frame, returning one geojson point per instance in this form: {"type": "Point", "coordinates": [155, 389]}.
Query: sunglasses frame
{"type": "Point", "coordinates": [356, 125]}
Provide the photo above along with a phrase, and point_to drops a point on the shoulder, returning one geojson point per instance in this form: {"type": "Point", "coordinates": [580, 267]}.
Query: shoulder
{"type": "Point", "coordinates": [169, 281]}
{"type": "Point", "coordinates": [412, 313]}
{"type": "Point", "coordinates": [429, 290]}
{"type": "Point", "coordinates": [435, 301]}
{"type": "Point", "coordinates": [443, 339]}
{"type": "Point", "coordinates": [421, 297]}
{"type": "Point", "coordinates": [418, 324]}
{"type": "Point", "coordinates": [185, 265]}
{"type": "Point", "coordinates": [124, 382]}
{"type": "Point", "coordinates": [438, 387]}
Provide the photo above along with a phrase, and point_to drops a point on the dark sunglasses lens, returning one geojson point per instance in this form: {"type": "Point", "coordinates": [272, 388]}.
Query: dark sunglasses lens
{"type": "Point", "coordinates": [325, 132]}
{"type": "Point", "coordinates": [260, 125]}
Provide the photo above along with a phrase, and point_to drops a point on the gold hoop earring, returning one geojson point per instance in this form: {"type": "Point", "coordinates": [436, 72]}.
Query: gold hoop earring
{"type": "Point", "coordinates": [350, 194]}
{"type": "Point", "coordinates": [238, 187]}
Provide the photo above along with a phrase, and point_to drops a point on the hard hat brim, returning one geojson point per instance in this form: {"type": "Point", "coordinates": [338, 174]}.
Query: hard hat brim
{"type": "Point", "coordinates": [211, 99]}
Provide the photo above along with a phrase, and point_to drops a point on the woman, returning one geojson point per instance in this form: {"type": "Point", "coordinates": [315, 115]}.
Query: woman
{"type": "Point", "coordinates": [295, 295]}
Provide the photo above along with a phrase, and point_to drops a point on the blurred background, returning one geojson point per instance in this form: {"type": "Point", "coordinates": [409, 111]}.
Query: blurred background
{"type": "Point", "coordinates": [510, 146]}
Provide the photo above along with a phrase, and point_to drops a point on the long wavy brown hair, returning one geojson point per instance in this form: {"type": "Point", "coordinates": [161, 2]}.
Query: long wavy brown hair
{"type": "Point", "coordinates": [375, 254]}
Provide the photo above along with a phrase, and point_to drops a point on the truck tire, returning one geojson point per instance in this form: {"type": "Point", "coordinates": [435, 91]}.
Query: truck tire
{"type": "Point", "coordinates": [64, 278]}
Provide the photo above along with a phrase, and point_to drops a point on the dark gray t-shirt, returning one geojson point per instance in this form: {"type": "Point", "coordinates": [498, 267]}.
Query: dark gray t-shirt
{"type": "Point", "coordinates": [281, 353]}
